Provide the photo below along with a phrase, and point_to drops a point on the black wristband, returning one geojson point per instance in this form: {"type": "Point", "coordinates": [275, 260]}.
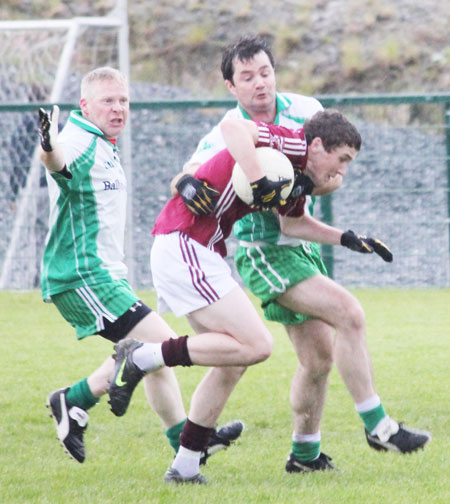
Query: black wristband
{"type": "Point", "coordinates": [65, 173]}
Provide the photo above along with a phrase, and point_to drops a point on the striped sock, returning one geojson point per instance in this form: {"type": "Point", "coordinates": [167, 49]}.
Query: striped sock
{"type": "Point", "coordinates": [306, 447]}
{"type": "Point", "coordinates": [371, 412]}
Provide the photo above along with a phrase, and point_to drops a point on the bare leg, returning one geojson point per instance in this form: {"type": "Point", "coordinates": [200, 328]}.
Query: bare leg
{"type": "Point", "coordinates": [324, 299]}
{"type": "Point", "coordinates": [161, 387]}
{"type": "Point", "coordinates": [225, 380]}
{"type": "Point", "coordinates": [236, 318]}
{"type": "Point", "coordinates": [221, 381]}
{"type": "Point", "coordinates": [313, 343]}
{"type": "Point", "coordinates": [241, 337]}
{"type": "Point", "coordinates": [98, 381]}
{"type": "Point", "coordinates": [164, 396]}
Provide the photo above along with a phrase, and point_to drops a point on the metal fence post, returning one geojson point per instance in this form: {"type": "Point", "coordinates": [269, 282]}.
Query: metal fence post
{"type": "Point", "coordinates": [326, 207]}
{"type": "Point", "coordinates": [447, 149]}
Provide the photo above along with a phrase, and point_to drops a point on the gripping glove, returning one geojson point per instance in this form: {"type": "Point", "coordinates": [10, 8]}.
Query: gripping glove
{"type": "Point", "coordinates": [197, 195]}
{"type": "Point", "coordinates": [303, 185]}
{"type": "Point", "coordinates": [366, 245]}
{"type": "Point", "coordinates": [267, 193]}
{"type": "Point", "coordinates": [48, 128]}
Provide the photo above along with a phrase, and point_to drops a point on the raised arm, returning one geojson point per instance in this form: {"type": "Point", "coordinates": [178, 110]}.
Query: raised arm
{"type": "Point", "coordinates": [241, 137]}
{"type": "Point", "coordinates": [51, 153]}
{"type": "Point", "coordinates": [250, 132]}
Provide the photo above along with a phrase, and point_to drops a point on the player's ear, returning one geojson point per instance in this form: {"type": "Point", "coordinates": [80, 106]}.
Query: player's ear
{"type": "Point", "coordinates": [83, 106]}
{"type": "Point", "coordinates": [316, 145]}
{"type": "Point", "coordinates": [230, 87]}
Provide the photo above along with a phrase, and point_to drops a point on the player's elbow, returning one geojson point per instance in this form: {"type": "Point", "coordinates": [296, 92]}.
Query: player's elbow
{"type": "Point", "coordinates": [228, 126]}
{"type": "Point", "coordinates": [239, 128]}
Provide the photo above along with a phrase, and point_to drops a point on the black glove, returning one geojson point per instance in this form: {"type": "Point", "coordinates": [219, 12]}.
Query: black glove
{"type": "Point", "coordinates": [366, 245]}
{"type": "Point", "coordinates": [303, 185]}
{"type": "Point", "coordinates": [48, 128]}
{"type": "Point", "coordinates": [198, 196]}
{"type": "Point", "coordinates": [267, 193]}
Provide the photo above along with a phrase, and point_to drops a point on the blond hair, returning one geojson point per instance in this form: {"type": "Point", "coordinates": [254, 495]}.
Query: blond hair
{"type": "Point", "coordinates": [101, 74]}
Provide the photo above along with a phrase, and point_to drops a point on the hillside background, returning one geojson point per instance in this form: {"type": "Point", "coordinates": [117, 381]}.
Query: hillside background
{"type": "Point", "coordinates": [397, 184]}
{"type": "Point", "coordinates": [321, 46]}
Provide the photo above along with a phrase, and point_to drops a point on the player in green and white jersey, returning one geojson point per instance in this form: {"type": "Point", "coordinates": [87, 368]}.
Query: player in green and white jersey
{"type": "Point", "coordinates": [83, 272]}
{"type": "Point", "coordinates": [87, 226]}
{"type": "Point", "coordinates": [323, 320]}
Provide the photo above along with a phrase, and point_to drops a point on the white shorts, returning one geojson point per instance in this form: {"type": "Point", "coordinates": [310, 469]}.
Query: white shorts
{"type": "Point", "coordinates": [187, 275]}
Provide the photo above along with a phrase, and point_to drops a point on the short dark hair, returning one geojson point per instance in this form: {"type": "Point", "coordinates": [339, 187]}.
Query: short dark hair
{"type": "Point", "coordinates": [333, 129]}
{"type": "Point", "coordinates": [243, 50]}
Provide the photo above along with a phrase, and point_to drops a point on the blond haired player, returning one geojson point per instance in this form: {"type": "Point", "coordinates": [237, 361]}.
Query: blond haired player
{"type": "Point", "coordinates": [83, 272]}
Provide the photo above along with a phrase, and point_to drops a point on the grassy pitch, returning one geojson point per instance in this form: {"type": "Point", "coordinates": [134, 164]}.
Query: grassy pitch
{"type": "Point", "coordinates": [408, 336]}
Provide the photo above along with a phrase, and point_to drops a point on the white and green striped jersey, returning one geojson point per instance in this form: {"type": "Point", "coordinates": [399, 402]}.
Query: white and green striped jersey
{"type": "Point", "coordinates": [85, 241]}
{"type": "Point", "coordinates": [292, 111]}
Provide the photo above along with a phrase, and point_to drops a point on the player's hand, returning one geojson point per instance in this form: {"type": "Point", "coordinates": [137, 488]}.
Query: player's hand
{"type": "Point", "coordinates": [48, 128]}
{"type": "Point", "coordinates": [267, 193]}
{"type": "Point", "coordinates": [197, 195]}
{"type": "Point", "coordinates": [303, 185]}
{"type": "Point", "coordinates": [366, 245]}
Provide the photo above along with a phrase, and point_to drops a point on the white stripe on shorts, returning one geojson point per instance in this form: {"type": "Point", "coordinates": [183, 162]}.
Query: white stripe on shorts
{"type": "Point", "coordinates": [96, 307]}
{"type": "Point", "coordinates": [284, 282]}
{"type": "Point", "coordinates": [187, 276]}
{"type": "Point", "coordinates": [198, 277]}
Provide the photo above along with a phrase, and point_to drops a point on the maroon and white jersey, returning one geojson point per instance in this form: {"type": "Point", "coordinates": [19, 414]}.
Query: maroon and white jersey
{"type": "Point", "coordinates": [212, 230]}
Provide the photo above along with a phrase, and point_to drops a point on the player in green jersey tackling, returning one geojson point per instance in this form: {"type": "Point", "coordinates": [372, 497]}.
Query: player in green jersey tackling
{"type": "Point", "coordinates": [324, 322]}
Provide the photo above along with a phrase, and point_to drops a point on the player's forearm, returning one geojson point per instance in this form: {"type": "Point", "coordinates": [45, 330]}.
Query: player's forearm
{"type": "Point", "coordinates": [240, 138]}
{"type": "Point", "coordinates": [308, 228]}
{"type": "Point", "coordinates": [54, 161]}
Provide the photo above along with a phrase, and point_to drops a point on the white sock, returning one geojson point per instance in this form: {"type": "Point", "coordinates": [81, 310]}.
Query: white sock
{"type": "Point", "coordinates": [149, 357]}
{"type": "Point", "coordinates": [368, 404]}
{"type": "Point", "coordinates": [306, 438]}
{"type": "Point", "coordinates": [187, 462]}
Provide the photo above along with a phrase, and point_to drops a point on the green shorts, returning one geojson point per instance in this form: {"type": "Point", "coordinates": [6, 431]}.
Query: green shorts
{"type": "Point", "coordinates": [270, 270]}
{"type": "Point", "coordinates": [89, 309]}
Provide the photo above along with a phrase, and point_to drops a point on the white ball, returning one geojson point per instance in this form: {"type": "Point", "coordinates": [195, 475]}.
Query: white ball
{"type": "Point", "coordinates": [275, 165]}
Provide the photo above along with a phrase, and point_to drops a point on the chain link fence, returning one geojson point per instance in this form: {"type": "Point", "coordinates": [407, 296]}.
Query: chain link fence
{"type": "Point", "coordinates": [396, 190]}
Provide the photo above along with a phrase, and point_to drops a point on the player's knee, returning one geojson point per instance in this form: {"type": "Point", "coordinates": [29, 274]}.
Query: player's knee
{"type": "Point", "coordinates": [262, 349]}
{"type": "Point", "coordinates": [319, 367]}
{"type": "Point", "coordinates": [355, 316]}
{"type": "Point", "coordinates": [323, 365]}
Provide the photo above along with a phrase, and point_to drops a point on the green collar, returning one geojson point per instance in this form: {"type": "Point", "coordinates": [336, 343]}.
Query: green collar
{"type": "Point", "coordinates": [282, 104]}
{"type": "Point", "coordinates": [76, 118]}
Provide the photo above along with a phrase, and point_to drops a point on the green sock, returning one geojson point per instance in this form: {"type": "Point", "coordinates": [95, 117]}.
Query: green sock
{"type": "Point", "coordinates": [80, 395]}
{"type": "Point", "coordinates": [174, 435]}
{"type": "Point", "coordinates": [305, 452]}
{"type": "Point", "coordinates": [373, 417]}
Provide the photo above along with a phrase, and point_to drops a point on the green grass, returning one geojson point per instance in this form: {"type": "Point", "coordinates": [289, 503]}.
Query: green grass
{"type": "Point", "coordinates": [408, 334]}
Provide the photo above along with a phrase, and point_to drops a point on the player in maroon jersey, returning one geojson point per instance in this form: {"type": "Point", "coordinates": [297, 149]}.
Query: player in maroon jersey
{"type": "Point", "coordinates": [212, 230]}
{"type": "Point", "coordinates": [192, 278]}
